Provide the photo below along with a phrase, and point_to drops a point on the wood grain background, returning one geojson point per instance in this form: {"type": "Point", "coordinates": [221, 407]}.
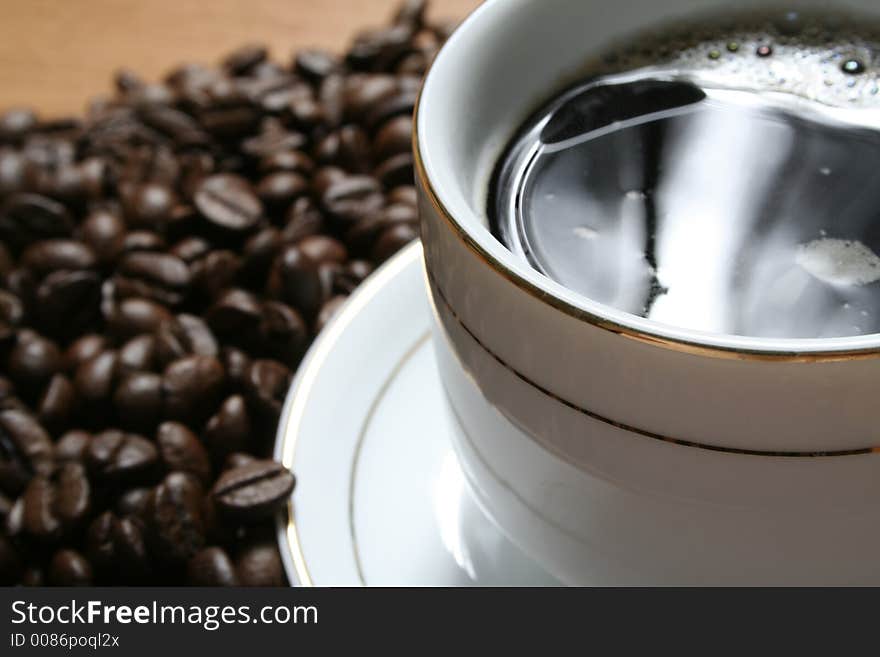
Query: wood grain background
{"type": "Point", "coordinates": [56, 54]}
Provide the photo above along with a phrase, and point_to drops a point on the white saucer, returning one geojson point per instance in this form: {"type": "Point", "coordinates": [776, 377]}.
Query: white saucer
{"type": "Point", "coordinates": [380, 499]}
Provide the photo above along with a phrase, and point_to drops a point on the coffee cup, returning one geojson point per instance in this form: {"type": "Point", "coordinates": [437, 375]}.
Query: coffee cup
{"type": "Point", "coordinates": [612, 449]}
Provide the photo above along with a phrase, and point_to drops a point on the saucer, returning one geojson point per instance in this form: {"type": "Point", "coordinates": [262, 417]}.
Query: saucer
{"type": "Point", "coordinates": [380, 497]}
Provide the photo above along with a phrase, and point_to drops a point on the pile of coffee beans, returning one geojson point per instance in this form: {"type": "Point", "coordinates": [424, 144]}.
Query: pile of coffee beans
{"type": "Point", "coordinates": [165, 262]}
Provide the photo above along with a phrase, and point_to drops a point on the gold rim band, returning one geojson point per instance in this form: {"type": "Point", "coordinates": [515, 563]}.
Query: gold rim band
{"type": "Point", "coordinates": [439, 294]}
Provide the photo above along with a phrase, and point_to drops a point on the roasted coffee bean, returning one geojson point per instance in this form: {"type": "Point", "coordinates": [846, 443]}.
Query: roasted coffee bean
{"type": "Point", "coordinates": [236, 317]}
{"type": "Point", "coordinates": [395, 171]}
{"type": "Point", "coordinates": [347, 148]}
{"type": "Point", "coordinates": [294, 278]}
{"type": "Point", "coordinates": [190, 249]}
{"type": "Point", "coordinates": [131, 317]}
{"type": "Point", "coordinates": [185, 335]}
{"type": "Point", "coordinates": [16, 123]}
{"type": "Point", "coordinates": [283, 333]}
{"type": "Point", "coordinates": [266, 386]}
{"type": "Point", "coordinates": [394, 137]}
{"type": "Point", "coordinates": [392, 240]}
{"type": "Point", "coordinates": [45, 257]}
{"type": "Point", "coordinates": [278, 190]}
{"type": "Point", "coordinates": [328, 311]}
{"type": "Point", "coordinates": [115, 456]}
{"type": "Point", "coordinates": [72, 446]}
{"type": "Point", "coordinates": [303, 219]}
{"type": "Point", "coordinates": [11, 316]}
{"type": "Point", "coordinates": [228, 201]}
{"type": "Point", "coordinates": [69, 568]}
{"type": "Point", "coordinates": [157, 276]}
{"type": "Point", "coordinates": [68, 302]}
{"type": "Point", "coordinates": [260, 565]}
{"type": "Point", "coordinates": [140, 354]}
{"type": "Point", "coordinates": [133, 502]}
{"type": "Point", "coordinates": [142, 240]}
{"type": "Point", "coordinates": [117, 548]}
{"type": "Point", "coordinates": [351, 199]}
{"type": "Point", "coordinates": [181, 451]}
{"type": "Point", "coordinates": [411, 12]}
{"type": "Point", "coordinates": [56, 403]}
{"type": "Point", "coordinates": [33, 361]}
{"type": "Point", "coordinates": [215, 272]}
{"type": "Point", "coordinates": [292, 161]}
{"type": "Point", "coordinates": [24, 444]}
{"type": "Point", "coordinates": [138, 400]}
{"type": "Point", "coordinates": [404, 195]}
{"type": "Point", "coordinates": [95, 379]}
{"type": "Point", "coordinates": [82, 349]}
{"type": "Point", "coordinates": [149, 205]}
{"type": "Point", "coordinates": [229, 430]}
{"type": "Point", "coordinates": [236, 363]}
{"type": "Point", "coordinates": [211, 567]}
{"type": "Point", "coordinates": [253, 491]}
{"type": "Point", "coordinates": [321, 248]}
{"type": "Point", "coordinates": [191, 387]}
{"type": "Point", "coordinates": [57, 505]}
{"type": "Point", "coordinates": [315, 65]}
{"type": "Point", "coordinates": [237, 460]}
{"type": "Point", "coordinates": [176, 518]}
{"type": "Point", "coordinates": [28, 218]}
{"type": "Point", "coordinates": [245, 58]}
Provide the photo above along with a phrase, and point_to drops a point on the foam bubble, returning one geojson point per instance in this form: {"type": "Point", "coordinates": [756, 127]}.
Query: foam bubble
{"type": "Point", "coordinates": [839, 262]}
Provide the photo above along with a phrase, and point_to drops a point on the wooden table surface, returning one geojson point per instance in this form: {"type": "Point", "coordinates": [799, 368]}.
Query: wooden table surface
{"type": "Point", "coordinates": [56, 54]}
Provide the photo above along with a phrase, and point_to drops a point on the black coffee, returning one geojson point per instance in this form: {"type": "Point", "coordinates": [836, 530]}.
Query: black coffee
{"type": "Point", "coordinates": [733, 187]}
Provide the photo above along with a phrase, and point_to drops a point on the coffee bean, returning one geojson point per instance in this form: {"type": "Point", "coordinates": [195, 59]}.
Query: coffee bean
{"type": "Point", "coordinates": [227, 201]}
{"type": "Point", "coordinates": [72, 446]}
{"type": "Point", "coordinates": [28, 218]}
{"type": "Point", "coordinates": [16, 123]}
{"type": "Point", "coordinates": [283, 333]}
{"type": "Point", "coordinates": [69, 568]}
{"type": "Point", "coordinates": [352, 198]}
{"type": "Point", "coordinates": [142, 240]}
{"type": "Point", "coordinates": [393, 138]}
{"type": "Point", "coordinates": [115, 456]}
{"type": "Point", "coordinates": [260, 565]}
{"type": "Point", "coordinates": [57, 505]}
{"type": "Point", "coordinates": [294, 278]}
{"type": "Point", "coordinates": [82, 349]}
{"type": "Point", "coordinates": [48, 256]}
{"type": "Point", "coordinates": [149, 205]}
{"type": "Point", "coordinates": [185, 335]}
{"type": "Point", "coordinates": [245, 58]}
{"type": "Point", "coordinates": [138, 400]}
{"type": "Point", "coordinates": [181, 451]}
{"type": "Point", "coordinates": [160, 277]}
{"type": "Point", "coordinates": [214, 273]}
{"type": "Point", "coordinates": [395, 171]}
{"type": "Point", "coordinates": [266, 386]}
{"type": "Point", "coordinates": [236, 363]}
{"type": "Point", "coordinates": [411, 12]}
{"type": "Point", "coordinates": [328, 311]}
{"type": "Point", "coordinates": [348, 148]}
{"type": "Point", "coordinates": [56, 404]}
{"type": "Point", "coordinates": [33, 361]}
{"type": "Point", "coordinates": [211, 567]}
{"type": "Point", "coordinates": [392, 240]}
{"type": "Point", "coordinates": [253, 491]}
{"type": "Point", "coordinates": [175, 517]}
{"type": "Point", "coordinates": [117, 548]}
{"type": "Point", "coordinates": [139, 354]}
{"type": "Point", "coordinates": [315, 65]}
{"type": "Point", "coordinates": [278, 190]}
{"type": "Point", "coordinates": [321, 248]}
{"type": "Point", "coordinates": [303, 219]}
{"type": "Point", "coordinates": [190, 249]}
{"type": "Point", "coordinates": [191, 387]}
{"type": "Point", "coordinates": [95, 379]}
{"type": "Point", "coordinates": [131, 317]}
{"type": "Point", "coordinates": [25, 445]}
{"type": "Point", "coordinates": [69, 302]}
{"type": "Point", "coordinates": [292, 161]}
{"type": "Point", "coordinates": [229, 430]}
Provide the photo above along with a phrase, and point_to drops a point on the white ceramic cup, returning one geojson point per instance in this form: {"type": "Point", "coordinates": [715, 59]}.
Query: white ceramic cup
{"type": "Point", "coordinates": [612, 449]}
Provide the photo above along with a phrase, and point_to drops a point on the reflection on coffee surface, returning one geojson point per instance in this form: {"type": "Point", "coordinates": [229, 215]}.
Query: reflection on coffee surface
{"type": "Point", "coordinates": [723, 176]}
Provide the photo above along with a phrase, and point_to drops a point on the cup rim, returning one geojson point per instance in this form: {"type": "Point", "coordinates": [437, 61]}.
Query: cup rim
{"type": "Point", "coordinates": [486, 247]}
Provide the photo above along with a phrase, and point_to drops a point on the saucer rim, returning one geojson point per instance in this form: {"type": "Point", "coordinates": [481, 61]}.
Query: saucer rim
{"type": "Point", "coordinates": [296, 401]}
